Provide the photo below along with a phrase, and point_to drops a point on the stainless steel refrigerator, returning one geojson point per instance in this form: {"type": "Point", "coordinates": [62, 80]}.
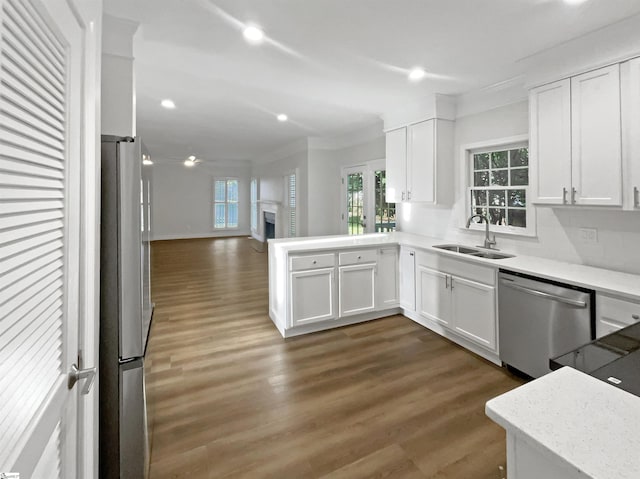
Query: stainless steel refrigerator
{"type": "Point", "coordinates": [126, 308]}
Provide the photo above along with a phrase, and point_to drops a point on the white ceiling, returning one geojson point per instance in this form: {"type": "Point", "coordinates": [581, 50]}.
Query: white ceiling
{"type": "Point", "coordinates": [331, 65]}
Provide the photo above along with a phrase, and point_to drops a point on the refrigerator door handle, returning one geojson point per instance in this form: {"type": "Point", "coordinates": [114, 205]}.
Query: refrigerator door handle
{"type": "Point", "coordinates": [76, 375]}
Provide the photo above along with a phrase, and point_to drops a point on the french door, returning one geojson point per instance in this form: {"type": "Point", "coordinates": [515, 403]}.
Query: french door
{"type": "Point", "coordinates": [41, 61]}
{"type": "Point", "coordinates": [364, 205]}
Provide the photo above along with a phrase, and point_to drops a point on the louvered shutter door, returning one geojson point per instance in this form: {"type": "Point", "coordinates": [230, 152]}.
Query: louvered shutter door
{"type": "Point", "coordinates": [33, 230]}
{"type": "Point", "coordinates": [292, 205]}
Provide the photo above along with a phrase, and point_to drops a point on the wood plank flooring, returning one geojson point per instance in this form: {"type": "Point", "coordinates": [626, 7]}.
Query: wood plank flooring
{"type": "Point", "coordinates": [230, 398]}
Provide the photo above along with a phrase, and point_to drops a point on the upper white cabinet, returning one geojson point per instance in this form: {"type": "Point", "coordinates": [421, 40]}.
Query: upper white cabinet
{"type": "Point", "coordinates": [420, 162]}
{"type": "Point", "coordinates": [631, 124]}
{"type": "Point", "coordinates": [576, 140]}
{"type": "Point", "coordinates": [596, 156]}
{"type": "Point", "coordinates": [550, 142]}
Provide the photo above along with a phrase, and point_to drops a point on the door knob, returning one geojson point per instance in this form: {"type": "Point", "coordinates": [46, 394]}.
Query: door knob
{"type": "Point", "coordinates": [76, 375]}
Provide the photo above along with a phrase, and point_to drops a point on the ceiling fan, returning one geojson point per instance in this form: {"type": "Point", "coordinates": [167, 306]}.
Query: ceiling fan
{"type": "Point", "coordinates": [192, 161]}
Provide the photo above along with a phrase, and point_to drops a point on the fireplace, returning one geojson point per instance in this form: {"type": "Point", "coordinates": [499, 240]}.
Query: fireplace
{"type": "Point", "coordinates": [269, 225]}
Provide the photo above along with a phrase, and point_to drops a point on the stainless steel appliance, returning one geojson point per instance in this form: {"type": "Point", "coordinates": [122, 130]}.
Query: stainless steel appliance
{"type": "Point", "coordinates": [540, 320]}
{"type": "Point", "coordinates": [126, 309]}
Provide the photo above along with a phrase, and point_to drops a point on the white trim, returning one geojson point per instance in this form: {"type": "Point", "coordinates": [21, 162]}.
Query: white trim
{"type": "Point", "coordinates": [504, 93]}
{"type": "Point", "coordinates": [222, 234]}
{"type": "Point", "coordinates": [465, 186]}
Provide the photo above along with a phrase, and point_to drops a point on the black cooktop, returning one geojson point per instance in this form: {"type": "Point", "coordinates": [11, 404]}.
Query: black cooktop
{"type": "Point", "coordinates": [614, 358]}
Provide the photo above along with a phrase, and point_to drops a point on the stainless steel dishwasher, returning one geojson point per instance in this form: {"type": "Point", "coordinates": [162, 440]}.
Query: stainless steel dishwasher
{"type": "Point", "coordinates": [540, 320]}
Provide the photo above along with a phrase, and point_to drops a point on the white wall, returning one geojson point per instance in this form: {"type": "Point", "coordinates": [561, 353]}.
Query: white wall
{"type": "Point", "coordinates": [558, 229]}
{"type": "Point", "coordinates": [183, 200]}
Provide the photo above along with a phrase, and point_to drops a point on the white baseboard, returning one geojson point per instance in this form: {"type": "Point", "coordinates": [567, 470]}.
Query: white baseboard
{"type": "Point", "coordinates": [222, 234]}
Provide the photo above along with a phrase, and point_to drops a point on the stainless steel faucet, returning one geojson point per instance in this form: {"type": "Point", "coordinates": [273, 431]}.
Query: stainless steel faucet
{"type": "Point", "coordinates": [489, 243]}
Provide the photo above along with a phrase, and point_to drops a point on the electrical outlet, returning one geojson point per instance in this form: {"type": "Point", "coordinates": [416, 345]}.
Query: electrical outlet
{"type": "Point", "coordinates": [588, 235]}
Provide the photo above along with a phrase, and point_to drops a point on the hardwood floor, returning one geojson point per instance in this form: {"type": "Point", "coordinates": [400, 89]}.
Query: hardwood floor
{"type": "Point", "coordinates": [230, 398]}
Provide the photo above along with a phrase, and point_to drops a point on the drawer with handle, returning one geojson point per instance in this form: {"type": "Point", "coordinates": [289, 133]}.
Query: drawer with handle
{"type": "Point", "coordinates": [359, 256]}
{"type": "Point", "coordinates": [301, 263]}
{"type": "Point", "coordinates": [614, 313]}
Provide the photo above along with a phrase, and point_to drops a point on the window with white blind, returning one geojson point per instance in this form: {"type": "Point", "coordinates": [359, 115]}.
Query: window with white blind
{"type": "Point", "coordinates": [291, 205]}
{"type": "Point", "coordinates": [225, 203]}
{"type": "Point", "coordinates": [254, 204]}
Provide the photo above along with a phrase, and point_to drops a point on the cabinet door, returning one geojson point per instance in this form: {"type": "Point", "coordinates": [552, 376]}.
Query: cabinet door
{"type": "Point", "coordinates": [632, 134]}
{"type": "Point", "coordinates": [613, 314]}
{"type": "Point", "coordinates": [434, 297]}
{"type": "Point", "coordinates": [408, 279]}
{"type": "Point", "coordinates": [596, 137]}
{"type": "Point", "coordinates": [421, 167]}
{"type": "Point", "coordinates": [387, 278]}
{"type": "Point", "coordinates": [312, 296]}
{"type": "Point", "coordinates": [550, 142]}
{"type": "Point", "coordinates": [357, 289]}
{"type": "Point", "coordinates": [474, 311]}
{"type": "Point", "coordinates": [396, 161]}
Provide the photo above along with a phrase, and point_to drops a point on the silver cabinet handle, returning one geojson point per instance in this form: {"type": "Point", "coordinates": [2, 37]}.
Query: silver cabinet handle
{"type": "Point", "coordinates": [76, 375]}
{"type": "Point", "coordinates": [409, 195]}
{"type": "Point", "coordinates": [542, 294]}
{"type": "Point", "coordinates": [403, 196]}
{"type": "Point", "coordinates": [564, 196]}
{"type": "Point", "coordinates": [573, 196]}
{"type": "Point", "coordinates": [635, 316]}
{"type": "Point", "coordinates": [359, 257]}
{"type": "Point", "coordinates": [411, 254]}
{"type": "Point", "coordinates": [636, 200]}
{"type": "Point", "coordinates": [446, 281]}
{"type": "Point", "coordinates": [451, 281]}
{"type": "Point", "coordinates": [314, 262]}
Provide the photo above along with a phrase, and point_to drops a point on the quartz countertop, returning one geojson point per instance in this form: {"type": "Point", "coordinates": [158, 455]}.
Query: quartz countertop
{"type": "Point", "coordinates": [600, 279]}
{"type": "Point", "coordinates": [591, 425]}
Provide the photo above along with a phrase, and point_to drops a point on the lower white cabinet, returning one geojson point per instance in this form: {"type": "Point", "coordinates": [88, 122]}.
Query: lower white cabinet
{"type": "Point", "coordinates": [387, 278]}
{"type": "Point", "coordinates": [465, 305]}
{"type": "Point", "coordinates": [407, 278]}
{"type": "Point", "coordinates": [613, 314]}
{"type": "Point", "coordinates": [357, 289]}
{"type": "Point", "coordinates": [313, 296]}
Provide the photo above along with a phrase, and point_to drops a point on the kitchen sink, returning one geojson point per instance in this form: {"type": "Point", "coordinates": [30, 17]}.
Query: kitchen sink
{"type": "Point", "coordinates": [491, 255]}
{"type": "Point", "coordinates": [457, 248]}
{"type": "Point", "coordinates": [473, 251]}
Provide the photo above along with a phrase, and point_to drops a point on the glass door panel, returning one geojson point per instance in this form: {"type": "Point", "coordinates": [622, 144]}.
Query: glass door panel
{"type": "Point", "coordinates": [356, 218]}
{"type": "Point", "coordinates": [385, 219]}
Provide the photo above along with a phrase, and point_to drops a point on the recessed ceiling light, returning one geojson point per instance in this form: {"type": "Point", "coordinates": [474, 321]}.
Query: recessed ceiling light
{"type": "Point", "coordinates": [282, 117]}
{"type": "Point", "coordinates": [416, 74]}
{"type": "Point", "coordinates": [168, 104]}
{"type": "Point", "coordinates": [253, 34]}
{"type": "Point", "coordinates": [574, 2]}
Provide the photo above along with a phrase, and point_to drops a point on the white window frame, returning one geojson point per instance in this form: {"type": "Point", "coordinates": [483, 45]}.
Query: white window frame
{"type": "Point", "coordinates": [226, 179]}
{"type": "Point", "coordinates": [466, 153]}
{"type": "Point", "coordinates": [254, 193]}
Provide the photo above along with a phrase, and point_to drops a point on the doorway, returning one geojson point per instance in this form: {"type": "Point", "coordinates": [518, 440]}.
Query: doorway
{"type": "Point", "coordinates": [364, 205]}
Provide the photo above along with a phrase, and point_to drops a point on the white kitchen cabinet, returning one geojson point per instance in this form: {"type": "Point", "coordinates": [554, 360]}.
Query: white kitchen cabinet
{"type": "Point", "coordinates": [474, 310]}
{"type": "Point", "coordinates": [596, 148]}
{"type": "Point", "coordinates": [550, 142]}
{"type": "Point", "coordinates": [387, 287]}
{"type": "Point", "coordinates": [420, 162]}
{"type": "Point", "coordinates": [313, 296]}
{"type": "Point", "coordinates": [575, 140]}
{"type": "Point", "coordinates": [631, 129]}
{"type": "Point", "coordinates": [613, 314]}
{"type": "Point", "coordinates": [458, 295]}
{"type": "Point", "coordinates": [407, 278]}
{"type": "Point", "coordinates": [357, 289]}
{"type": "Point", "coordinates": [396, 163]}
{"type": "Point", "coordinates": [434, 297]}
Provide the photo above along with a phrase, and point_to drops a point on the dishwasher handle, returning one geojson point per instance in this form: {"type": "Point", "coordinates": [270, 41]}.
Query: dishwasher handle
{"type": "Point", "coordinates": [542, 294]}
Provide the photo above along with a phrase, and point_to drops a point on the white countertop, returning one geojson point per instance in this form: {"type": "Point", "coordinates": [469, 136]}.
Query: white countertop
{"type": "Point", "coordinates": [599, 279]}
{"type": "Point", "coordinates": [593, 426]}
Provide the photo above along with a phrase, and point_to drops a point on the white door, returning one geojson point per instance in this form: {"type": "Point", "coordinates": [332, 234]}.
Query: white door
{"type": "Point", "coordinates": [434, 297]}
{"type": "Point", "coordinates": [596, 131]}
{"type": "Point", "coordinates": [550, 142]}
{"type": "Point", "coordinates": [396, 158]}
{"type": "Point", "coordinates": [421, 168]}
{"type": "Point", "coordinates": [40, 113]}
{"type": "Point", "coordinates": [474, 311]}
